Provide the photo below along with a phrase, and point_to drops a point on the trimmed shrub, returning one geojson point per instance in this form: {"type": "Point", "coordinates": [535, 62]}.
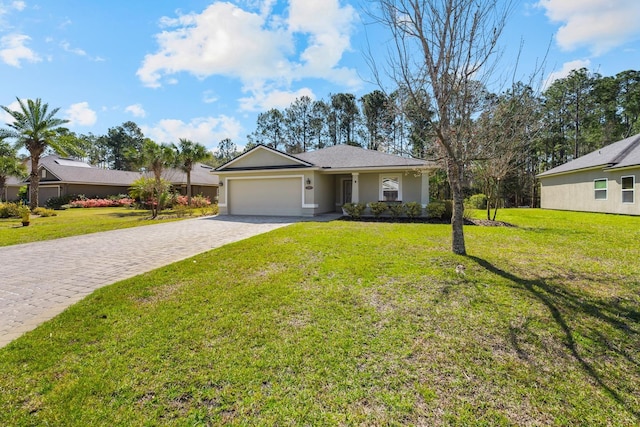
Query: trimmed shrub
{"type": "Point", "coordinates": [101, 203]}
{"type": "Point", "coordinates": [436, 210]}
{"type": "Point", "coordinates": [477, 201]}
{"type": "Point", "coordinates": [58, 202]}
{"type": "Point", "coordinates": [354, 210]}
{"type": "Point", "coordinates": [44, 212]}
{"type": "Point", "coordinates": [397, 209]}
{"type": "Point", "coordinates": [9, 210]}
{"type": "Point", "coordinates": [378, 208]}
{"type": "Point", "coordinates": [414, 209]}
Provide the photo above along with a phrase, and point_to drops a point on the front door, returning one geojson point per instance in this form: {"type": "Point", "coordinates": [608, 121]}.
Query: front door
{"type": "Point", "coordinates": [347, 186]}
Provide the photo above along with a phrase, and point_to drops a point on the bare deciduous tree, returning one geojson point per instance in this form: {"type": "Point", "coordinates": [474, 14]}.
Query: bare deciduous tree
{"type": "Point", "coordinates": [446, 47]}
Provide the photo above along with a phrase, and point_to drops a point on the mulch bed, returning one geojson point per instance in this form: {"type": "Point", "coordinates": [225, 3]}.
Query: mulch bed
{"type": "Point", "coordinates": [422, 220]}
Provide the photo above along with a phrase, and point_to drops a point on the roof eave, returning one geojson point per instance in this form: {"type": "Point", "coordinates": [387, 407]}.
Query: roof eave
{"type": "Point", "coordinates": [547, 174]}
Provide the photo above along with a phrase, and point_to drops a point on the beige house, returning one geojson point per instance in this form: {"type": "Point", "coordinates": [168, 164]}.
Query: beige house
{"type": "Point", "coordinates": [605, 180]}
{"type": "Point", "coordinates": [264, 181]}
{"type": "Point", "coordinates": [60, 177]}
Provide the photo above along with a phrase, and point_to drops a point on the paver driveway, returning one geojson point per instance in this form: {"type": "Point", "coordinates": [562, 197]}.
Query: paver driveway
{"type": "Point", "coordinates": [39, 280]}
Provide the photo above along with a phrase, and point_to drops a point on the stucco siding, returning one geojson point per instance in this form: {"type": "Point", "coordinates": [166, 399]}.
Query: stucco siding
{"type": "Point", "coordinates": [411, 187]}
{"type": "Point", "coordinates": [91, 191]}
{"type": "Point", "coordinates": [576, 192]}
{"type": "Point", "coordinates": [323, 193]}
{"type": "Point", "coordinates": [369, 184]}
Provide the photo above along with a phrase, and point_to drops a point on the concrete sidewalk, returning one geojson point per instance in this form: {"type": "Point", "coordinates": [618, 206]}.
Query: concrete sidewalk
{"type": "Point", "coordinates": [39, 280]}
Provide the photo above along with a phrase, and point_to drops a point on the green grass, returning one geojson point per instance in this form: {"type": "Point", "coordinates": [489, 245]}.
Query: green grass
{"type": "Point", "coordinates": [73, 222]}
{"type": "Point", "coordinates": [348, 323]}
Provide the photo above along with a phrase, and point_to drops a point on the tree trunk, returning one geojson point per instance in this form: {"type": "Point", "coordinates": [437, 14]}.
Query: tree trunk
{"type": "Point", "coordinates": [35, 181]}
{"type": "Point", "coordinates": [457, 218]}
{"type": "Point", "coordinates": [189, 188]}
{"type": "Point", "coordinates": [3, 182]}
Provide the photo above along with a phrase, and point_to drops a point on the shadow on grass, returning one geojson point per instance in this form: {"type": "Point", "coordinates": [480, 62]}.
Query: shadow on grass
{"type": "Point", "coordinates": [559, 300]}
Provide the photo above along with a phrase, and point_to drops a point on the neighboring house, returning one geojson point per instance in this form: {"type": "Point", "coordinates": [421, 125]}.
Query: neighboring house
{"type": "Point", "coordinates": [605, 180]}
{"type": "Point", "coordinates": [60, 177]}
{"type": "Point", "coordinates": [203, 181]}
{"type": "Point", "coordinates": [264, 181]}
{"type": "Point", "coordinates": [11, 189]}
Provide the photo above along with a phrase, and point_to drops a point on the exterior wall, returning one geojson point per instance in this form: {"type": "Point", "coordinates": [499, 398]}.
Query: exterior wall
{"type": "Point", "coordinates": [323, 193]}
{"type": "Point", "coordinates": [575, 192]}
{"type": "Point", "coordinates": [91, 191]}
{"type": "Point", "coordinates": [410, 184]}
{"type": "Point", "coordinates": [10, 193]}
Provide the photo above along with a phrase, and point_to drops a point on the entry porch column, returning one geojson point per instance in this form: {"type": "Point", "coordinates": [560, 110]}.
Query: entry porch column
{"type": "Point", "coordinates": [355, 186]}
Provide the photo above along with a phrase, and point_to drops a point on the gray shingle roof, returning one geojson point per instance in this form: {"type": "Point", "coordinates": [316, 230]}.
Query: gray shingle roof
{"type": "Point", "coordinates": [75, 171]}
{"type": "Point", "coordinates": [620, 154]}
{"type": "Point", "coordinates": [349, 157]}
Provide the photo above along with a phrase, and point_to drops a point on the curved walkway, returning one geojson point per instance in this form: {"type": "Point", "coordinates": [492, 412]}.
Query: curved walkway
{"type": "Point", "coordinates": [39, 280]}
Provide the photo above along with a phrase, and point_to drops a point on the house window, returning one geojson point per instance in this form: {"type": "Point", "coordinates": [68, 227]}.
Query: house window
{"type": "Point", "coordinates": [600, 189]}
{"type": "Point", "coordinates": [44, 173]}
{"type": "Point", "coordinates": [390, 189]}
{"type": "Point", "coordinates": [628, 189]}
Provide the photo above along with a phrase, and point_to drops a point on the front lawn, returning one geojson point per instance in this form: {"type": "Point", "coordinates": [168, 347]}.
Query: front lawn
{"type": "Point", "coordinates": [354, 323]}
{"type": "Point", "coordinates": [72, 222]}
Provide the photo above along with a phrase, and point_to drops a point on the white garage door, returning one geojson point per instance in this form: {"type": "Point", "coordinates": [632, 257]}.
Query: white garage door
{"type": "Point", "coordinates": [273, 196]}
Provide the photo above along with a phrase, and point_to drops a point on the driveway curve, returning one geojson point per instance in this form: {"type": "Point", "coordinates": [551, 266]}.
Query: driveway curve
{"type": "Point", "coordinates": [39, 280]}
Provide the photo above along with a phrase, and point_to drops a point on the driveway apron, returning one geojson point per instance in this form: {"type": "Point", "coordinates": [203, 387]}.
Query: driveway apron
{"type": "Point", "coordinates": [39, 280]}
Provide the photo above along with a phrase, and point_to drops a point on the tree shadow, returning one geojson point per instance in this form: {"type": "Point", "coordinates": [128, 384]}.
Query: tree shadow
{"type": "Point", "coordinates": [558, 300]}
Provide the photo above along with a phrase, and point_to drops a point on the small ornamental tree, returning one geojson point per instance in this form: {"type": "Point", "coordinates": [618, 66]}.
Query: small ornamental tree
{"type": "Point", "coordinates": [151, 192]}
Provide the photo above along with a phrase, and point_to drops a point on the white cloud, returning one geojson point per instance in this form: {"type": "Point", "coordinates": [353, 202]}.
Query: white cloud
{"type": "Point", "coordinates": [80, 114]}
{"type": "Point", "coordinates": [13, 50]}
{"type": "Point", "coordinates": [209, 97]}
{"type": "Point", "coordinates": [14, 5]}
{"type": "Point", "coordinates": [18, 5]}
{"type": "Point", "coordinates": [136, 110]}
{"type": "Point", "coordinates": [208, 131]}
{"type": "Point", "coordinates": [258, 48]}
{"type": "Point", "coordinates": [600, 25]}
{"type": "Point", "coordinates": [77, 51]}
{"type": "Point", "coordinates": [567, 67]}
{"type": "Point", "coordinates": [266, 100]}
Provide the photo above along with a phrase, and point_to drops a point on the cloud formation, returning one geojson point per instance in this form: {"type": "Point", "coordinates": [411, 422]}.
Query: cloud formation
{"type": "Point", "coordinates": [80, 114]}
{"type": "Point", "coordinates": [599, 25]}
{"type": "Point", "coordinates": [208, 131]}
{"type": "Point", "coordinates": [136, 110]}
{"type": "Point", "coordinates": [261, 48]}
{"type": "Point", "coordinates": [567, 67]}
{"type": "Point", "coordinates": [14, 50]}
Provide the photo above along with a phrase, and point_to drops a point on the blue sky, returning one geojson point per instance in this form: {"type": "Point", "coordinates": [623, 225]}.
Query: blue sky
{"type": "Point", "coordinates": [203, 69]}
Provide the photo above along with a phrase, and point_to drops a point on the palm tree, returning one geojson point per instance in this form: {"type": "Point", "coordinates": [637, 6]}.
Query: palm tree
{"type": "Point", "coordinates": [155, 158]}
{"type": "Point", "coordinates": [188, 153]}
{"type": "Point", "coordinates": [10, 165]}
{"type": "Point", "coordinates": [34, 127]}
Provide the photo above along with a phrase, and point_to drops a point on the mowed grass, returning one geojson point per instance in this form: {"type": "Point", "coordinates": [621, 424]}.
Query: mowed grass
{"type": "Point", "coordinates": [354, 323]}
{"type": "Point", "coordinates": [73, 222]}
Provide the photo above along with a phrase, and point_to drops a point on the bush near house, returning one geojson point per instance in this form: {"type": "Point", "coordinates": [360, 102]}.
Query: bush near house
{"type": "Point", "coordinates": [101, 203]}
{"type": "Point", "coordinates": [378, 208]}
{"type": "Point", "coordinates": [414, 209]}
{"type": "Point", "coordinates": [477, 201]}
{"type": "Point", "coordinates": [198, 201]}
{"type": "Point", "coordinates": [9, 210]}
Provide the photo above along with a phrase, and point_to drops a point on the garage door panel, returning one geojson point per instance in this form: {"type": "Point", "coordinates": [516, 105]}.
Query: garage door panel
{"type": "Point", "coordinates": [273, 196]}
